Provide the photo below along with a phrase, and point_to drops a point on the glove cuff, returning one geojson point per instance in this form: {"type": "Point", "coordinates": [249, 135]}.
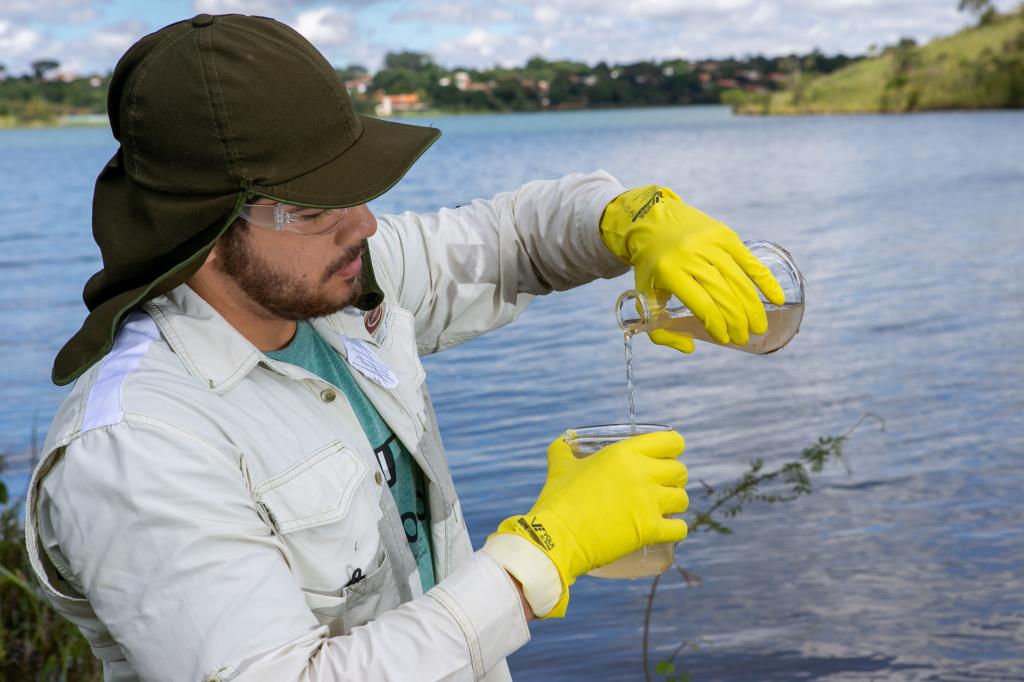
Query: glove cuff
{"type": "Point", "coordinates": [533, 530]}
{"type": "Point", "coordinates": [536, 573]}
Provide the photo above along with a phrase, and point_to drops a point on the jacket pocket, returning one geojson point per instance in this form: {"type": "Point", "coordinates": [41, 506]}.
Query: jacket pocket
{"type": "Point", "coordinates": [326, 511]}
{"type": "Point", "coordinates": [316, 490]}
{"type": "Point", "coordinates": [358, 603]}
{"type": "Point", "coordinates": [372, 596]}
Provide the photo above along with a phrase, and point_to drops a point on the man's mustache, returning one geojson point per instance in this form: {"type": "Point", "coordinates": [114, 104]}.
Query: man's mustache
{"type": "Point", "coordinates": [346, 259]}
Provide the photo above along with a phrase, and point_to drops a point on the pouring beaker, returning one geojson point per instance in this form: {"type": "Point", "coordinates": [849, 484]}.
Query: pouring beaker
{"type": "Point", "coordinates": [636, 312]}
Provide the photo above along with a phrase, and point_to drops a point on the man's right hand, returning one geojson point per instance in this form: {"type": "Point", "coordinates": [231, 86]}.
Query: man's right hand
{"type": "Point", "coordinates": [595, 510]}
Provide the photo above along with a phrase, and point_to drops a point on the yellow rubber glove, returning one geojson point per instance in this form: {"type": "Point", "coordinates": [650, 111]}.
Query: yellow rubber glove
{"type": "Point", "coordinates": [595, 510]}
{"type": "Point", "coordinates": [676, 249]}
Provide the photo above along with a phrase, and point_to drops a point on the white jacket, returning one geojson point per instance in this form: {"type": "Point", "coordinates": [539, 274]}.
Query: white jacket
{"type": "Point", "coordinates": [199, 506]}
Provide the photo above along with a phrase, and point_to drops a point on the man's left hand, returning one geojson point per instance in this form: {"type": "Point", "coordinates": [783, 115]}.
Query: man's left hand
{"type": "Point", "coordinates": [676, 249]}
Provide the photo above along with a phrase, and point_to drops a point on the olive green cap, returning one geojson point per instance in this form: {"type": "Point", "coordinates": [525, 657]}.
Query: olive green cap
{"type": "Point", "coordinates": [208, 112]}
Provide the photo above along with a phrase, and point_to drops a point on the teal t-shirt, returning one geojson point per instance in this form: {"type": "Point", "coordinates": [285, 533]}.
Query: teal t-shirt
{"type": "Point", "coordinates": [309, 351]}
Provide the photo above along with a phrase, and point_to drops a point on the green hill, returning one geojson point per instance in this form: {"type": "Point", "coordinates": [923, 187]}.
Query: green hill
{"type": "Point", "coordinates": [978, 68]}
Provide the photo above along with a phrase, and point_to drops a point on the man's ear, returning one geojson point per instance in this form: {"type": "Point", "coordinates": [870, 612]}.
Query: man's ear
{"type": "Point", "coordinates": [213, 256]}
{"type": "Point", "coordinates": [210, 263]}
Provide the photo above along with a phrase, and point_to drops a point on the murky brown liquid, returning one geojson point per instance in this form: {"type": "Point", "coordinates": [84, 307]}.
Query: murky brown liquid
{"type": "Point", "coordinates": [783, 323]}
{"type": "Point", "coordinates": [646, 561]}
{"type": "Point", "coordinates": [643, 563]}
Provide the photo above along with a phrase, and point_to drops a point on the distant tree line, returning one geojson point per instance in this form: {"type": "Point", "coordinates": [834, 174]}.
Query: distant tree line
{"type": "Point", "coordinates": [45, 94]}
{"type": "Point", "coordinates": [563, 84]}
{"type": "Point", "coordinates": [39, 98]}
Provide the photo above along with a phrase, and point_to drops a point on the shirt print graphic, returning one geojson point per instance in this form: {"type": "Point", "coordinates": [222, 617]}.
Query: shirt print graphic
{"type": "Point", "coordinates": [386, 459]}
{"type": "Point", "coordinates": [412, 520]}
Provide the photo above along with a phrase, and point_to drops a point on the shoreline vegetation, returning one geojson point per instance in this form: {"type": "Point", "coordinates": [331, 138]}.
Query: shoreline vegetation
{"type": "Point", "coordinates": [980, 67]}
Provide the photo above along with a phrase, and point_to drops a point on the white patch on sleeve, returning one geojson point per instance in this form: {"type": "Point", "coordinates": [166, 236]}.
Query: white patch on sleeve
{"type": "Point", "coordinates": [133, 340]}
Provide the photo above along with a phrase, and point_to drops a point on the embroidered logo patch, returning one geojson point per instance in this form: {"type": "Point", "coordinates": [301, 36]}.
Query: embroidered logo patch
{"type": "Point", "coordinates": [372, 319]}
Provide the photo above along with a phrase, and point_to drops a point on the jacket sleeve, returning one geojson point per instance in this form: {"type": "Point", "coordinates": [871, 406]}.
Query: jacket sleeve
{"type": "Point", "coordinates": [157, 529]}
{"type": "Point", "coordinates": [474, 268]}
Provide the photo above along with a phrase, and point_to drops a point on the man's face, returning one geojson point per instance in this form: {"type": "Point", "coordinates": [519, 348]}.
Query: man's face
{"type": "Point", "coordinates": [295, 277]}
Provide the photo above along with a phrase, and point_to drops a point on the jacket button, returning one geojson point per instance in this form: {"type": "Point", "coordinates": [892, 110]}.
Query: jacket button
{"type": "Point", "coordinates": [328, 395]}
{"type": "Point", "coordinates": [379, 477]}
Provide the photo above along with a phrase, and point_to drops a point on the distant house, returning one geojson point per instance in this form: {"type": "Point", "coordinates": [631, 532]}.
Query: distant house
{"type": "Point", "coordinates": [727, 83]}
{"type": "Point", "coordinates": [463, 81]}
{"type": "Point", "coordinates": [391, 104]}
{"type": "Point", "coordinates": [358, 85]}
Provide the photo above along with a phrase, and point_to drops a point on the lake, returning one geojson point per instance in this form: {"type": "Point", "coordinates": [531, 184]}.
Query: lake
{"type": "Point", "coordinates": [909, 230]}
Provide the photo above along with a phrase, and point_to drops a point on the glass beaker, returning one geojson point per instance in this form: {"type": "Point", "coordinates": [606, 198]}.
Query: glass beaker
{"type": "Point", "coordinates": [637, 312]}
{"type": "Point", "coordinates": [647, 561]}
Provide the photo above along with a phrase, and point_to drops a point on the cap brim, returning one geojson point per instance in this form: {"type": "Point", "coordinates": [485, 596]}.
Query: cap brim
{"type": "Point", "coordinates": [369, 167]}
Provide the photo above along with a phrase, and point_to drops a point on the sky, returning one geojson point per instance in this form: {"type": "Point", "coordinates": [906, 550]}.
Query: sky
{"type": "Point", "coordinates": [88, 36]}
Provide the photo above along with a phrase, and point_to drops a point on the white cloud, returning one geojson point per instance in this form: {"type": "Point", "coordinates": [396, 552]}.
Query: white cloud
{"type": "Point", "coordinates": [95, 52]}
{"type": "Point", "coordinates": [673, 8]}
{"type": "Point", "coordinates": [325, 26]}
{"type": "Point", "coordinates": [64, 11]}
{"type": "Point", "coordinates": [632, 30]}
{"type": "Point", "coordinates": [506, 32]}
{"type": "Point", "coordinates": [17, 41]}
{"type": "Point", "coordinates": [456, 12]}
{"type": "Point", "coordinates": [546, 14]}
{"type": "Point", "coordinates": [115, 39]}
{"type": "Point", "coordinates": [481, 47]}
{"type": "Point", "coordinates": [267, 8]}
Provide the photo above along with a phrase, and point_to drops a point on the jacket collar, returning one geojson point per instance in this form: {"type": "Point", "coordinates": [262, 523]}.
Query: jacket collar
{"type": "Point", "coordinates": [215, 352]}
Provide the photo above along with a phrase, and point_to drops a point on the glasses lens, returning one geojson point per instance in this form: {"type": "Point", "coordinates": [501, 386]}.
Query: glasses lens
{"type": "Point", "coordinates": [314, 221]}
{"type": "Point", "coordinates": [298, 219]}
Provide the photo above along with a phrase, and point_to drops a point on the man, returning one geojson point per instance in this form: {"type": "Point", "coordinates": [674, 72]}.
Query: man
{"type": "Point", "coordinates": [247, 480]}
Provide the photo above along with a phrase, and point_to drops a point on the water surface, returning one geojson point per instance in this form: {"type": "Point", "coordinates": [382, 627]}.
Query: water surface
{"type": "Point", "coordinates": [909, 230]}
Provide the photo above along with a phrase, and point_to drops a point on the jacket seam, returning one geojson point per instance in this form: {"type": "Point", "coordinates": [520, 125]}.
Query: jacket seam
{"type": "Point", "coordinates": [450, 341]}
{"type": "Point", "coordinates": [181, 349]}
{"type": "Point", "coordinates": [232, 379]}
{"type": "Point", "coordinates": [465, 624]}
{"type": "Point", "coordinates": [173, 339]}
{"type": "Point", "coordinates": [144, 420]}
{"type": "Point", "coordinates": [305, 464]}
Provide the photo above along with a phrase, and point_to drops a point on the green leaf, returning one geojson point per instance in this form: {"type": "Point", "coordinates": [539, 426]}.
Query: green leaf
{"type": "Point", "coordinates": [665, 668]}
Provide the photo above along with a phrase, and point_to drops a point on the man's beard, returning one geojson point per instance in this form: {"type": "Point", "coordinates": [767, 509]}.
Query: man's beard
{"type": "Point", "coordinates": [279, 294]}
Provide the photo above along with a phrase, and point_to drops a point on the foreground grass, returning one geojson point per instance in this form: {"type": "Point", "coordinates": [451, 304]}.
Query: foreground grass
{"type": "Point", "coordinates": [36, 643]}
{"type": "Point", "coordinates": [978, 68]}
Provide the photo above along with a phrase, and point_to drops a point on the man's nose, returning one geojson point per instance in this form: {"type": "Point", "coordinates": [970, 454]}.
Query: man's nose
{"type": "Point", "coordinates": [363, 225]}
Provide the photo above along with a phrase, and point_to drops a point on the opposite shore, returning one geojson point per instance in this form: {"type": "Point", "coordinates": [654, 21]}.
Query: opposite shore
{"type": "Point", "coordinates": [979, 67]}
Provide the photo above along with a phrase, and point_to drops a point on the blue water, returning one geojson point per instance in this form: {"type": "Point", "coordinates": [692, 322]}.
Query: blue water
{"type": "Point", "coordinates": [910, 231]}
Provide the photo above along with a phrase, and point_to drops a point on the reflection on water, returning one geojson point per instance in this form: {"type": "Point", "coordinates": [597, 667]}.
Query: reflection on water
{"type": "Point", "coordinates": [908, 230]}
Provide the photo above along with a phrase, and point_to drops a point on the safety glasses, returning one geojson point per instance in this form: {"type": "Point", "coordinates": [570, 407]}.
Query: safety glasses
{"type": "Point", "coordinates": [297, 219]}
